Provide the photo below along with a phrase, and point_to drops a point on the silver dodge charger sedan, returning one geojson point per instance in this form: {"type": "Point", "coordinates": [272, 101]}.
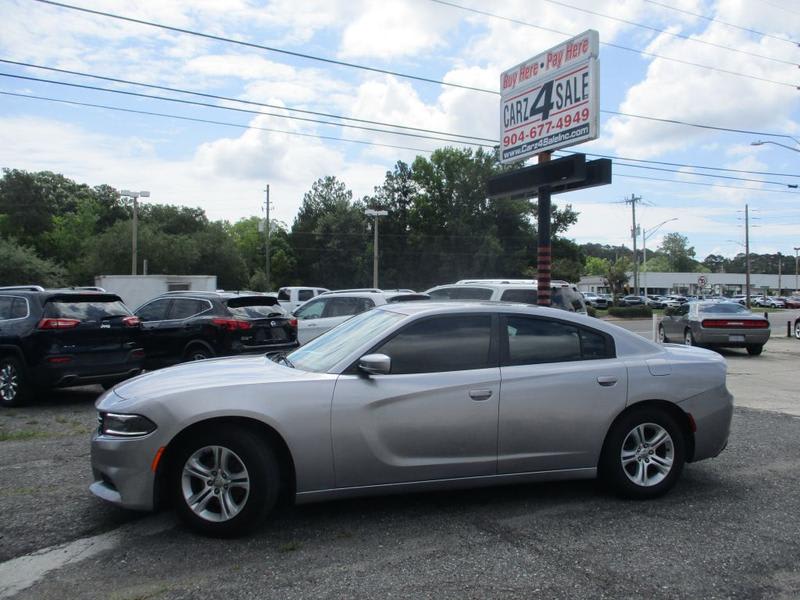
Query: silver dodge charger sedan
{"type": "Point", "coordinates": [411, 397]}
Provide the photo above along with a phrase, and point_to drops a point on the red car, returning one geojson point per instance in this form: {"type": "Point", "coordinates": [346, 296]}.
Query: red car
{"type": "Point", "coordinates": [793, 302]}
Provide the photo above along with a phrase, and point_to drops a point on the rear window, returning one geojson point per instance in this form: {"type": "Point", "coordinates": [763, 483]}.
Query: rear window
{"type": "Point", "coordinates": [523, 296]}
{"type": "Point", "coordinates": [461, 292]}
{"type": "Point", "coordinates": [568, 299]}
{"type": "Point", "coordinates": [89, 310]}
{"type": "Point", "coordinates": [254, 308]}
{"type": "Point", "coordinates": [723, 307]}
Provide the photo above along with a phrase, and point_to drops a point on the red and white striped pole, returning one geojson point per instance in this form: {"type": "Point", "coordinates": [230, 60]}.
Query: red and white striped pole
{"type": "Point", "coordinates": [543, 231]}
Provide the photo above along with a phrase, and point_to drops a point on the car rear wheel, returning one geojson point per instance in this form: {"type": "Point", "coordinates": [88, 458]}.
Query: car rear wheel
{"type": "Point", "coordinates": [14, 388]}
{"type": "Point", "coordinates": [225, 482]}
{"type": "Point", "coordinates": [797, 329]}
{"type": "Point", "coordinates": [754, 349]}
{"type": "Point", "coordinates": [198, 353]}
{"type": "Point", "coordinates": [644, 454]}
{"type": "Point", "coordinates": [688, 338]}
{"type": "Point", "coordinates": [662, 337]}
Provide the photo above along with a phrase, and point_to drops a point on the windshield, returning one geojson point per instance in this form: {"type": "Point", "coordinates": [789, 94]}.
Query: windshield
{"type": "Point", "coordinates": [323, 353]}
{"type": "Point", "coordinates": [723, 307]}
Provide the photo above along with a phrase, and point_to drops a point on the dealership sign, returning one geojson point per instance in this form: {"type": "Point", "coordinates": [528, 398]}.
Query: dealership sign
{"type": "Point", "coordinates": [551, 101]}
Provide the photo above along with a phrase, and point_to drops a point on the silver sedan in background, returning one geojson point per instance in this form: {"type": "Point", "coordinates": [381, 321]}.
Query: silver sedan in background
{"type": "Point", "coordinates": [411, 397]}
{"type": "Point", "coordinates": [718, 324]}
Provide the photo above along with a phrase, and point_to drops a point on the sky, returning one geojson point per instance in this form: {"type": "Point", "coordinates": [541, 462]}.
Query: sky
{"type": "Point", "coordinates": [746, 80]}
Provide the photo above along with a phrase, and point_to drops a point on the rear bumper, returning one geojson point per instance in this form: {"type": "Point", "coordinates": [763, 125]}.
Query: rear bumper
{"type": "Point", "coordinates": [84, 371]}
{"type": "Point", "coordinates": [712, 412]}
{"type": "Point", "coordinates": [722, 337]}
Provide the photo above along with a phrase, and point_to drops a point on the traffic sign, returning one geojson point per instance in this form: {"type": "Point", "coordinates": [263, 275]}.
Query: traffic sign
{"type": "Point", "coordinates": [552, 100]}
{"type": "Point", "coordinates": [702, 281]}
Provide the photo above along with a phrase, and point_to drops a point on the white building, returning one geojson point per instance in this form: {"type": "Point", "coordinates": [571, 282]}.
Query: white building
{"type": "Point", "coordinates": [726, 284]}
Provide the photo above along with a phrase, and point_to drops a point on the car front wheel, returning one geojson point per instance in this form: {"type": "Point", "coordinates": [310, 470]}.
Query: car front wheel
{"type": "Point", "coordinates": [225, 482]}
{"type": "Point", "coordinates": [644, 454]}
{"type": "Point", "coordinates": [662, 337]}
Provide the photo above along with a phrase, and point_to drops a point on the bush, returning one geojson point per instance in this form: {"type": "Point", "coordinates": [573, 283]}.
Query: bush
{"type": "Point", "coordinates": [591, 311]}
{"type": "Point", "coordinates": [20, 265]}
{"type": "Point", "coordinates": [631, 312]}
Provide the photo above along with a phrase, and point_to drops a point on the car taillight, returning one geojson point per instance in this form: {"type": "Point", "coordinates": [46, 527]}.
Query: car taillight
{"type": "Point", "coordinates": [58, 323]}
{"type": "Point", "coordinates": [733, 324]}
{"type": "Point", "coordinates": [293, 323]}
{"type": "Point", "coordinates": [232, 324]}
{"type": "Point", "coordinates": [131, 321]}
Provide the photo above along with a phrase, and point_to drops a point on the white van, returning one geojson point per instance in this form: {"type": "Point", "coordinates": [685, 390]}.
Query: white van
{"type": "Point", "coordinates": [563, 295]}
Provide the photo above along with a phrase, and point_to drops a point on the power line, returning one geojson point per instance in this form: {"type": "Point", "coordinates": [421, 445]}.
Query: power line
{"type": "Point", "coordinates": [704, 183]}
{"type": "Point", "coordinates": [374, 69]}
{"type": "Point", "coordinates": [212, 122]}
{"type": "Point", "coordinates": [369, 121]}
{"type": "Point", "coordinates": [670, 33]}
{"type": "Point", "coordinates": [229, 99]}
{"type": "Point", "coordinates": [715, 176]}
{"type": "Point", "coordinates": [609, 44]}
{"type": "Point", "coordinates": [698, 15]}
{"type": "Point", "coordinates": [247, 111]}
{"type": "Point", "coordinates": [241, 110]}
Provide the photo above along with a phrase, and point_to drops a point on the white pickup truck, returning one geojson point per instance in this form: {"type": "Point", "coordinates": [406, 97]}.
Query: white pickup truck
{"type": "Point", "coordinates": [292, 297]}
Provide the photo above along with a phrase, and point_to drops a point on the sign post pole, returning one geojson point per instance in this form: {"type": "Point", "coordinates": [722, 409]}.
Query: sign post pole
{"type": "Point", "coordinates": [543, 241]}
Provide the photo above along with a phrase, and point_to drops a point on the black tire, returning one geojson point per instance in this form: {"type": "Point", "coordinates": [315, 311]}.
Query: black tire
{"type": "Point", "coordinates": [755, 349]}
{"type": "Point", "coordinates": [197, 352]}
{"type": "Point", "coordinates": [688, 338]}
{"type": "Point", "coordinates": [797, 329]}
{"type": "Point", "coordinates": [662, 335]}
{"type": "Point", "coordinates": [14, 387]}
{"type": "Point", "coordinates": [619, 439]}
{"type": "Point", "coordinates": [260, 469]}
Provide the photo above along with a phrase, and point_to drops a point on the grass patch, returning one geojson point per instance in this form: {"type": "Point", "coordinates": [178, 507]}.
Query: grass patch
{"type": "Point", "coordinates": [22, 434]}
{"type": "Point", "coordinates": [289, 547]}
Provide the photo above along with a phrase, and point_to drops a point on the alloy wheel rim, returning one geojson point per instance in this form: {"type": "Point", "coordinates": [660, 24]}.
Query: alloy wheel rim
{"type": "Point", "coordinates": [647, 454]}
{"type": "Point", "coordinates": [215, 483]}
{"type": "Point", "coordinates": [661, 335]}
{"type": "Point", "coordinates": [688, 339]}
{"type": "Point", "coordinates": [9, 382]}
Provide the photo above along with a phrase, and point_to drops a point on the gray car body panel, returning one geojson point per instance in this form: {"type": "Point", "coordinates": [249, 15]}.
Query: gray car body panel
{"type": "Point", "coordinates": [676, 325]}
{"type": "Point", "coordinates": [352, 434]}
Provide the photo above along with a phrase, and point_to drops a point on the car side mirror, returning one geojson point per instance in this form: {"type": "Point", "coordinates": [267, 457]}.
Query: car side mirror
{"type": "Point", "coordinates": [375, 364]}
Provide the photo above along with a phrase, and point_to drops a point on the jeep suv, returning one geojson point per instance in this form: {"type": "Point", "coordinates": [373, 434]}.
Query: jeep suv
{"type": "Point", "coordinates": [61, 338]}
{"type": "Point", "coordinates": [181, 326]}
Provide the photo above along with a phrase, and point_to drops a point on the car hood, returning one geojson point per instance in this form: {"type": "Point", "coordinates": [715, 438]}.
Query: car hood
{"type": "Point", "coordinates": [204, 374]}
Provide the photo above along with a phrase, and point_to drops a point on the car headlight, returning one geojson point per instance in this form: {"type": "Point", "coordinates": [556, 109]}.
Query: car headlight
{"type": "Point", "coordinates": [121, 425]}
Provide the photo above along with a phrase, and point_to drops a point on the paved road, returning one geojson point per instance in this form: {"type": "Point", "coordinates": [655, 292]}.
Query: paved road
{"type": "Point", "coordinates": [729, 529]}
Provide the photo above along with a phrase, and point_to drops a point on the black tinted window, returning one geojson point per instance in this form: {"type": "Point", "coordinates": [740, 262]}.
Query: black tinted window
{"type": "Point", "coordinates": [441, 344]}
{"type": "Point", "coordinates": [524, 296]}
{"type": "Point", "coordinates": [92, 310]}
{"type": "Point", "coordinates": [304, 295]}
{"type": "Point", "coordinates": [155, 311]}
{"type": "Point", "coordinates": [254, 308]}
{"type": "Point", "coordinates": [461, 293]}
{"type": "Point", "coordinates": [183, 308]}
{"type": "Point", "coordinates": [6, 303]}
{"type": "Point", "coordinates": [532, 341]}
{"type": "Point", "coordinates": [283, 294]}
{"type": "Point", "coordinates": [344, 307]}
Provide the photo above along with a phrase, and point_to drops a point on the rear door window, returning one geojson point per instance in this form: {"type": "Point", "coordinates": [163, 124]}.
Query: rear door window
{"type": "Point", "coordinates": [183, 308]}
{"type": "Point", "coordinates": [304, 295]}
{"type": "Point", "coordinates": [6, 302]}
{"type": "Point", "coordinates": [85, 310]}
{"type": "Point", "coordinates": [344, 307]}
{"type": "Point", "coordinates": [442, 344]}
{"type": "Point", "coordinates": [524, 296]}
{"type": "Point", "coordinates": [534, 341]}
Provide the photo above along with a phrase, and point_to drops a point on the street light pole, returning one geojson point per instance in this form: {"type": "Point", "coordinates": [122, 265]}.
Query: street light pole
{"type": "Point", "coordinates": [762, 142]}
{"type": "Point", "coordinates": [796, 249]}
{"type": "Point", "coordinates": [645, 237]}
{"type": "Point", "coordinates": [376, 214]}
{"type": "Point", "coordinates": [135, 225]}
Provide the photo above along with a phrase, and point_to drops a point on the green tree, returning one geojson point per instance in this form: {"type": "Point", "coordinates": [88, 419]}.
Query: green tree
{"type": "Point", "coordinates": [680, 255]}
{"type": "Point", "coordinates": [596, 266]}
{"type": "Point", "coordinates": [617, 275]}
{"type": "Point", "coordinates": [20, 265]}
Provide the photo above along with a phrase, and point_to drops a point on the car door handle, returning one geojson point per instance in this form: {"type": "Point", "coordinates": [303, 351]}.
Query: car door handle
{"type": "Point", "coordinates": [607, 380]}
{"type": "Point", "coordinates": [480, 394]}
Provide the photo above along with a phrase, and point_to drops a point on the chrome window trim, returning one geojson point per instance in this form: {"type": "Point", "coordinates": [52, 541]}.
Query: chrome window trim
{"type": "Point", "coordinates": [27, 307]}
{"type": "Point", "coordinates": [206, 300]}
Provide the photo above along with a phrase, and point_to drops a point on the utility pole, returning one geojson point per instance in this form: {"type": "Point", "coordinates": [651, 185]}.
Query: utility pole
{"type": "Point", "coordinates": [266, 244]}
{"type": "Point", "coordinates": [634, 233]}
{"type": "Point", "coordinates": [747, 253]}
{"type": "Point", "coordinates": [779, 274]}
{"type": "Point", "coordinates": [796, 250]}
{"type": "Point", "coordinates": [376, 214]}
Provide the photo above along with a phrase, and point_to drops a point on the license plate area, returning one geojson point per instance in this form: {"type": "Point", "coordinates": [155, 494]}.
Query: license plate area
{"type": "Point", "coordinates": [736, 338]}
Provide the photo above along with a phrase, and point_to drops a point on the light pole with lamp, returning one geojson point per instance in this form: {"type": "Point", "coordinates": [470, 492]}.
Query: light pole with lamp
{"type": "Point", "coordinates": [762, 142]}
{"type": "Point", "coordinates": [645, 237]}
{"type": "Point", "coordinates": [796, 250]}
{"type": "Point", "coordinates": [135, 228]}
{"type": "Point", "coordinates": [376, 214]}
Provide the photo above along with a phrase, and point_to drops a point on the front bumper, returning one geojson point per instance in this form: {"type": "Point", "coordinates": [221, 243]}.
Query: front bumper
{"type": "Point", "coordinates": [122, 470]}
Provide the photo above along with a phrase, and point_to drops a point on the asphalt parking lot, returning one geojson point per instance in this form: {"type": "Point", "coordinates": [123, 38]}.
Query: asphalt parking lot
{"type": "Point", "coordinates": [728, 530]}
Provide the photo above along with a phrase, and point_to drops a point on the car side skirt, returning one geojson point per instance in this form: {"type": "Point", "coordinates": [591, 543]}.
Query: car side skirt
{"type": "Point", "coordinates": [443, 484]}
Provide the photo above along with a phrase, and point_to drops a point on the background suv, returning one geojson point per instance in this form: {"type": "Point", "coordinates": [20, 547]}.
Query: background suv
{"type": "Point", "coordinates": [60, 338]}
{"type": "Point", "coordinates": [329, 309]}
{"type": "Point", "coordinates": [181, 326]}
{"type": "Point", "coordinates": [563, 295]}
